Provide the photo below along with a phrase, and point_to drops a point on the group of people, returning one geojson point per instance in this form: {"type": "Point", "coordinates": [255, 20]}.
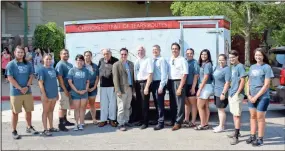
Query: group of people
{"type": "Point", "coordinates": [125, 89]}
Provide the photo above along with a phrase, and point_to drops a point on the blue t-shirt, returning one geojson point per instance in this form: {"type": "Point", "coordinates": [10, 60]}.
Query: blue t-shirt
{"type": "Point", "coordinates": [257, 75]}
{"type": "Point", "coordinates": [21, 73]}
{"type": "Point", "coordinates": [221, 76]}
{"type": "Point", "coordinates": [93, 73]}
{"type": "Point", "coordinates": [206, 68]}
{"type": "Point", "coordinates": [129, 73]}
{"type": "Point", "coordinates": [49, 77]}
{"type": "Point", "coordinates": [62, 69]}
{"type": "Point", "coordinates": [238, 72]}
{"type": "Point", "coordinates": [79, 79]}
{"type": "Point", "coordinates": [193, 69]}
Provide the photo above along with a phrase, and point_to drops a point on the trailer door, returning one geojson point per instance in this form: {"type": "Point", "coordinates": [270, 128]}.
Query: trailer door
{"type": "Point", "coordinates": [200, 38]}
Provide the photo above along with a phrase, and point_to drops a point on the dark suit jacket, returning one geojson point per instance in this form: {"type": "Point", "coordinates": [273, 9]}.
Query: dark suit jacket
{"type": "Point", "coordinates": [120, 76]}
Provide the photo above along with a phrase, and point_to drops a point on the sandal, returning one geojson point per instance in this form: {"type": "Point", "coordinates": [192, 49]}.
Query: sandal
{"type": "Point", "coordinates": [95, 122]}
{"type": "Point", "coordinates": [200, 127]}
{"type": "Point", "coordinates": [185, 123]}
{"type": "Point", "coordinates": [46, 133]}
{"type": "Point", "coordinates": [53, 130]}
{"type": "Point", "coordinates": [192, 124]}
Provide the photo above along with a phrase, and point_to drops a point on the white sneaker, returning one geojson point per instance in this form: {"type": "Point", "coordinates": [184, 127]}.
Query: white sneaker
{"type": "Point", "coordinates": [219, 129]}
{"type": "Point", "coordinates": [215, 127]}
{"type": "Point", "coordinates": [80, 127]}
{"type": "Point", "coordinates": [75, 128]}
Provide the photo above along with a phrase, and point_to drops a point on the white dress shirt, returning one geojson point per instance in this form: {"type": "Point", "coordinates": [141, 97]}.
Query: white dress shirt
{"type": "Point", "coordinates": [177, 68]}
{"type": "Point", "coordinates": [143, 67]}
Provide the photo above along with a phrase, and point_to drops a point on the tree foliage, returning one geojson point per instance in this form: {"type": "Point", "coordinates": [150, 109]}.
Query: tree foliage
{"type": "Point", "coordinates": [49, 36]}
{"type": "Point", "coordinates": [247, 18]}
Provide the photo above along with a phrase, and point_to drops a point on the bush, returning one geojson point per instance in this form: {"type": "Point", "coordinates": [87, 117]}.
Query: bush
{"type": "Point", "coordinates": [49, 36]}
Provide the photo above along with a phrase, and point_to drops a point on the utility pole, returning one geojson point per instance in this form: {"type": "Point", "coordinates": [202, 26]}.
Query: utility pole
{"type": "Point", "coordinates": [25, 23]}
{"type": "Point", "coordinates": [147, 8]}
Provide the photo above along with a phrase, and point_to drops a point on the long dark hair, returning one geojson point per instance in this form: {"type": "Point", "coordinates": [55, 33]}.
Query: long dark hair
{"type": "Point", "coordinates": [262, 51]}
{"type": "Point", "coordinates": [7, 50]}
{"type": "Point", "coordinates": [21, 48]}
{"type": "Point", "coordinates": [209, 57]}
{"type": "Point", "coordinates": [92, 64]}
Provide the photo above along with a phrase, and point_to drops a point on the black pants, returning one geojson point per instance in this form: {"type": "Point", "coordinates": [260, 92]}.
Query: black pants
{"type": "Point", "coordinates": [158, 101]}
{"type": "Point", "coordinates": [142, 102]}
{"type": "Point", "coordinates": [176, 102]}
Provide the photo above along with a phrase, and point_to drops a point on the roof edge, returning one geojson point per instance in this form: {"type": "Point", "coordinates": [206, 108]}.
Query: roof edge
{"type": "Point", "coordinates": [145, 19]}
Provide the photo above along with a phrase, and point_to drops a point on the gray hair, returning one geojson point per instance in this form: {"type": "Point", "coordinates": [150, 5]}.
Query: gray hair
{"type": "Point", "coordinates": [106, 49]}
{"type": "Point", "coordinates": [157, 47]}
{"type": "Point", "coordinates": [140, 46]}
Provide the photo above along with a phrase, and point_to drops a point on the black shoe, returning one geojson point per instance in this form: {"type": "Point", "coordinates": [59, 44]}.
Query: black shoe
{"type": "Point", "coordinates": [66, 122]}
{"type": "Point", "coordinates": [257, 142]}
{"type": "Point", "coordinates": [62, 127]}
{"type": "Point", "coordinates": [158, 127]}
{"type": "Point", "coordinates": [138, 124]}
{"type": "Point", "coordinates": [152, 122]}
{"type": "Point", "coordinates": [251, 139]}
{"type": "Point", "coordinates": [128, 125]}
{"type": "Point", "coordinates": [143, 126]}
{"type": "Point", "coordinates": [15, 135]}
{"type": "Point", "coordinates": [32, 130]}
{"type": "Point", "coordinates": [169, 124]}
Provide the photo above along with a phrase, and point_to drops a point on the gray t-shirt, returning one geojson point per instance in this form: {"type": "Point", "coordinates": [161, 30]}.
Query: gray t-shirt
{"type": "Point", "coordinates": [206, 68]}
{"type": "Point", "coordinates": [79, 79]}
{"type": "Point", "coordinates": [257, 75]}
{"type": "Point", "coordinates": [221, 76]}
{"type": "Point", "coordinates": [193, 69]}
{"type": "Point", "coordinates": [238, 72]}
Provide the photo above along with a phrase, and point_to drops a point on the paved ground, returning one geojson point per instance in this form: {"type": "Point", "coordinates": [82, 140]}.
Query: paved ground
{"type": "Point", "coordinates": [110, 138]}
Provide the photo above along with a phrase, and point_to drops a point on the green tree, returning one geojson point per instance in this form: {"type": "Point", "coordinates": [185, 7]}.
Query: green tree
{"type": "Point", "coordinates": [246, 17]}
{"type": "Point", "coordinates": [49, 36]}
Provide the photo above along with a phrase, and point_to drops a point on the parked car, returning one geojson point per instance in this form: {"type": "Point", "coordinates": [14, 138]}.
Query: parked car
{"type": "Point", "coordinates": [277, 93]}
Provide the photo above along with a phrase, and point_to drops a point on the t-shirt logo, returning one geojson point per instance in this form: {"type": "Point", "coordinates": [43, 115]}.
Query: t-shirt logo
{"type": "Point", "coordinates": [79, 74]}
{"type": "Point", "coordinates": [233, 73]}
{"type": "Point", "coordinates": [23, 69]}
{"type": "Point", "coordinates": [256, 73]}
{"type": "Point", "coordinates": [52, 74]}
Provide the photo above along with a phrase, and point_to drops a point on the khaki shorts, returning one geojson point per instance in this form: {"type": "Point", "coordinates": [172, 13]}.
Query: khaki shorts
{"type": "Point", "coordinates": [64, 101]}
{"type": "Point", "coordinates": [26, 101]}
{"type": "Point", "coordinates": [235, 104]}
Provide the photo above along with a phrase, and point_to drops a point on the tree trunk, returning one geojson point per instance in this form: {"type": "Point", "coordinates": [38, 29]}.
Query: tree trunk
{"type": "Point", "coordinates": [247, 49]}
{"type": "Point", "coordinates": [247, 36]}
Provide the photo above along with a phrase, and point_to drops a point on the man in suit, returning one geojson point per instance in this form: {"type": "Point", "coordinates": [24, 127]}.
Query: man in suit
{"type": "Point", "coordinates": [123, 78]}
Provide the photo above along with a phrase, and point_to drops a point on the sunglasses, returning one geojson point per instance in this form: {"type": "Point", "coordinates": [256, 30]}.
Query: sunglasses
{"type": "Point", "coordinates": [173, 63]}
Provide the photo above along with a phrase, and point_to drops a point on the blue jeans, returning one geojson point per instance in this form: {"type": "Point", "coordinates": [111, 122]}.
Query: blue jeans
{"type": "Point", "coordinates": [261, 104]}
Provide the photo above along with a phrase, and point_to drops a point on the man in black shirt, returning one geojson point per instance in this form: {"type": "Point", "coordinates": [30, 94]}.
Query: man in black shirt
{"type": "Point", "coordinates": [108, 103]}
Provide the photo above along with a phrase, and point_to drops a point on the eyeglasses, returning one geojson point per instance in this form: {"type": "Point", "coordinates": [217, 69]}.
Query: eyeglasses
{"type": "Point", "coordinates": [124, 54]}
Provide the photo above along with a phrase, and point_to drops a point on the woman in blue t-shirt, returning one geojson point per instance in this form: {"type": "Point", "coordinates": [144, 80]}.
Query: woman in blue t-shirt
{"type": "Point", "coordinates": [94, 79]}
{"type": "Point", "coordinates": [222, 76]}
{"type": "Point", "coordinates": [205, 88]}
{"type": "Point", "coordinates": [47, 78]}
{"type": "Point", "coordinates": [191, 88]}
{"type": "Point", "coordinates": [78, 79]}
{"type": "Point", "coordinates": [258, 95]}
